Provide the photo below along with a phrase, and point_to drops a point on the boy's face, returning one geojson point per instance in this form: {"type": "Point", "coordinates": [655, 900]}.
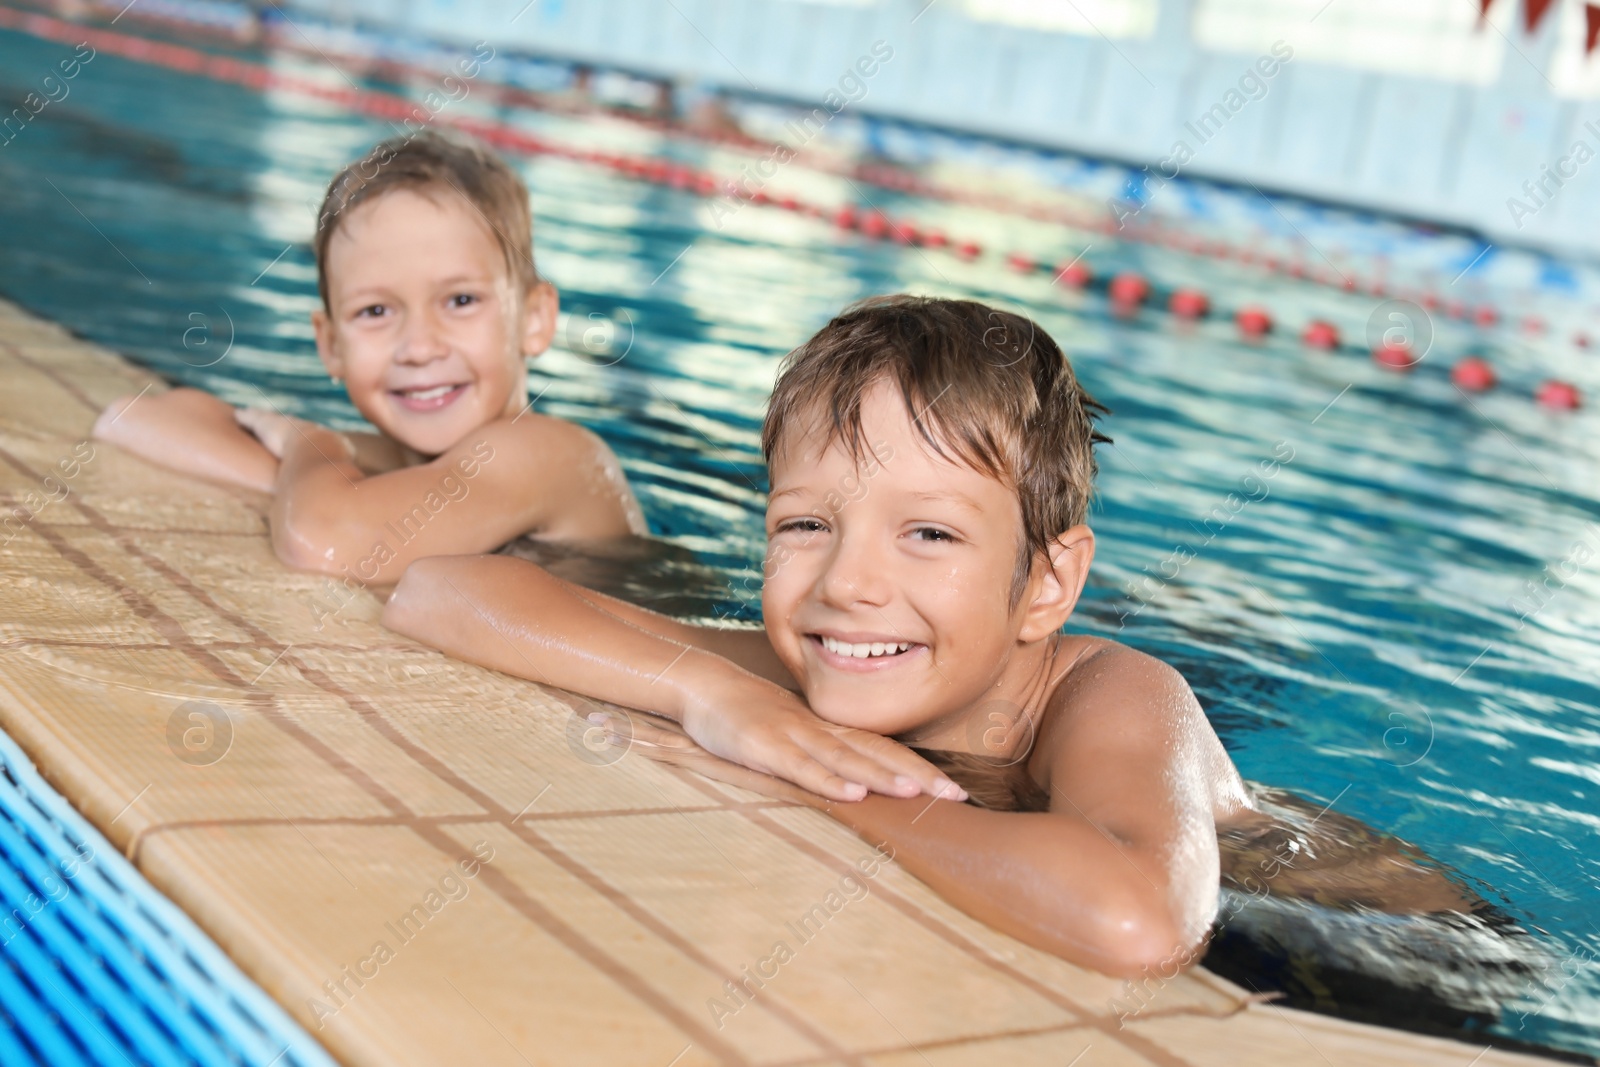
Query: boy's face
{"type": "Point", "coordinates": [425, 323]}
{"type": "Point", "coordinates": [912, 560]}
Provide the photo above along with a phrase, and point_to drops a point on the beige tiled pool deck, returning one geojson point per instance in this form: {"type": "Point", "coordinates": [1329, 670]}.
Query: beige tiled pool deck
{"type": "Point", "coordinates": [329, 811]}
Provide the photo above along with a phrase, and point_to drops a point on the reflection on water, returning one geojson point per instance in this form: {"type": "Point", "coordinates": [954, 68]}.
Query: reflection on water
{"type": "Point", "coordinates": [652, 573]}
{"type": "Point", "coordinates": [1348, 622]}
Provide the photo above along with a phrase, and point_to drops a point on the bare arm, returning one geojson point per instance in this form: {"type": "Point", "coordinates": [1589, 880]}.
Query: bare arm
{"type": "Point", "coordinates": [1121, 873]}
{"type": "Point", "coordinates": [513, 616]}
{"type": "Point", "coordinates": [503, 481]}
{"type": "Point", "coordinates": [191, 432]}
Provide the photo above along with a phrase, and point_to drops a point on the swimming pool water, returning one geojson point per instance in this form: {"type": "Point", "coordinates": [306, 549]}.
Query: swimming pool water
{"type": "Point", "coordinates": [1348, 622]}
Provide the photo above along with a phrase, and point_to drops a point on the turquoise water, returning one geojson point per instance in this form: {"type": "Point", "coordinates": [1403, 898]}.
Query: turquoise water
{"type": "Point", "coordinates": [1348, 623]}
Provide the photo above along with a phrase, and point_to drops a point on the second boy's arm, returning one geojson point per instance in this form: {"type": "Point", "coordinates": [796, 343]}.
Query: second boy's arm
{"type": "Point", "coordinates": [191, 432]}
{"type": "Point", "coordinates": [513, 616]}
{"type": "Point", "coordinates": [500, 482]}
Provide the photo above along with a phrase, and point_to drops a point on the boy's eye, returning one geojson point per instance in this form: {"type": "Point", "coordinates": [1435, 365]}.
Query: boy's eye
{"type": "Point", "coordinates": [807, 525]}
{"type": "Point", "coordinates": [932, 533]}
{"type": "Point", "coordinates": [372, 311]}
{"type": "Point", "coordinates": [461, 300]}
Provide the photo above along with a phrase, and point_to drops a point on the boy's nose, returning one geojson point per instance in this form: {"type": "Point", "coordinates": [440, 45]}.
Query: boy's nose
{"type": "Point", "coordinates": [855, 574]}
{"type": "Point", "coordinates": [423, 340]}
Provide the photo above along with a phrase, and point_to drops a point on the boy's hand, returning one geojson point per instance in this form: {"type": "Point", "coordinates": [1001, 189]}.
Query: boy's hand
{"type": "Point", "coordinates": [767, 728]}
{"type": "Point", "coordinates": [277, 432]}
{"type": "Point", "coordinates": [188, 431]}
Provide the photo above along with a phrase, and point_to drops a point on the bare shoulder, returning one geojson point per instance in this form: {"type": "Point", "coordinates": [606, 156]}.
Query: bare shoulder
{"type": "Point", "coordinates": [1113, 705]}
{"type": "Point", "coordinates": [1094, 669]}
{"type": "Point", "coordinates": [530, 437]}
{"type": "Point", "coordinates": [565, 474]}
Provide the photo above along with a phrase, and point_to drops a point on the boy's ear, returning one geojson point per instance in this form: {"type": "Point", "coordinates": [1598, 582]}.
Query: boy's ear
{"type": "Point", "coordinates": [539, 311]}
{"type": "Point", "coordinates": [327, 351]}
{"type": "Point", "coordinates": [1055, 587]}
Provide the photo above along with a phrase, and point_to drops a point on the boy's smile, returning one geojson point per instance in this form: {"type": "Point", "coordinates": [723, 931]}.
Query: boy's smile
{"type": "Point", "coordinates": [425, 324]}
{"type": "Point", "coordinates": [889, 599]}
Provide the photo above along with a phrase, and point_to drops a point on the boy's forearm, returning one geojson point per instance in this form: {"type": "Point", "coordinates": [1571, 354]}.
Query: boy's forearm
{"type": "Point", "coordinates": [748, 648]}
{"type": "Point", "coordinates": [517, 618]}
{"type": "Point", "coordinates": [191, 432]}
{"type": "Point", "coordinates": [1049, 880]}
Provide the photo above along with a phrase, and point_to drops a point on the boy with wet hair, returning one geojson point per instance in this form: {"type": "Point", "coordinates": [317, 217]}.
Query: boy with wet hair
{"type": "Point", "coordinates": [931, 468]}
{"type": "Point", "coordinates": [431, 307]}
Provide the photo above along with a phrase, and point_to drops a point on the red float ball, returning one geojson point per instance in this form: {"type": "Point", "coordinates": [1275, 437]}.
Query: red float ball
{"type": "Point", "coordinates": [845, 218]}
{"type": "Point", "coordinates": [935, 238]}
{"type": "Point", "coordinates": [1319, 333]}
{"type": "Point", "coordinates": [1485, 316]}
{"type": "Point", "coordinates": [1532, 324]}
{"type": "Point", "coordinates": [1560, 395]}
{"type": "Point", "coordinates": [1581, 339]}
{"type": "Point", "coordinates": [1189, 304]}
{"type": "Point", "coordinates": [1474, 375]}
{"type": "Point", "coordinates": [1253, 321]}
{"type": "Point", "coordinates": [968, 250]}
{"type": "Point", "coordinates": [1021, 263]}
{"type": "Point", "coordinates": [1396, 356]}
{"type": "Point", "coordinates": [874, 225]}
{"type": "Point", "coordinates": [1129, 289]}
{"type": "Point", "coordinates": [1074, 275]}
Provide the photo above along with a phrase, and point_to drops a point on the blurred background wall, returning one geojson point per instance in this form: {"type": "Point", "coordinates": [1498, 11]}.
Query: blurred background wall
{"type": "Point", "coordinates": [1428, 108]}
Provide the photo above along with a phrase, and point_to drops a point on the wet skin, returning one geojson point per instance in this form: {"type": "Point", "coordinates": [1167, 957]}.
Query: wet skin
{"type": "Point", "coordinates": [1120, 873]}
{"type": "Point", "coordinates": [429, 329]}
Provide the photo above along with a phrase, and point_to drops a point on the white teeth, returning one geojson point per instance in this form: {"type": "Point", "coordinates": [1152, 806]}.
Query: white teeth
{"type": "Point", "coordinates": [428, 394]}
{"type": "Point", "coordinates": [864, 650]}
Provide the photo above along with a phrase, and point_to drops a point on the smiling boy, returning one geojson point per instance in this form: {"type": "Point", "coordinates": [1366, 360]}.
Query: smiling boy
{"type": "Point", "coordinates": [928, 607]}
{"type": "Point", "coordinates": [431, 307]}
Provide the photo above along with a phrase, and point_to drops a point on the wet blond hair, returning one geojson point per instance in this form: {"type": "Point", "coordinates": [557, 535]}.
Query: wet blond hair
{"type": "Point", "coordinates": [986, 387]}
{"type": "Point", "coordinates": [432, 162]}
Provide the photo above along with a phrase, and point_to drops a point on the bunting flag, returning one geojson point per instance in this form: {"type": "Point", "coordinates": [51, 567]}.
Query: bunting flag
{"type": "Point", "coordinates": [1533, 13]}
{"type": "Point", "coordinates": [1591, 14]}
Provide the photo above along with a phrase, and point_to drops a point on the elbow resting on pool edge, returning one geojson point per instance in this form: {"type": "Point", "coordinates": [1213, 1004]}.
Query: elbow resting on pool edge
{"type": "Point", "coordinates": [1133, 938]}
{"type": "Point", "coordinates": [410, 608]}
{"type": "Point", "coordinates": [1146, 948]}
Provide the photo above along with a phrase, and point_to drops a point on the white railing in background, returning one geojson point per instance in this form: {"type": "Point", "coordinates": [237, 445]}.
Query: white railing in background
{"type": "Point", "coordinates": [1348, 119]}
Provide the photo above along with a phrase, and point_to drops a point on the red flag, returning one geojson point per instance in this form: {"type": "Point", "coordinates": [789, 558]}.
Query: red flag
{"type": "Point", "coordinates": [1533, 13]}
{"type": "Point", "coordinates": [1592, 32]}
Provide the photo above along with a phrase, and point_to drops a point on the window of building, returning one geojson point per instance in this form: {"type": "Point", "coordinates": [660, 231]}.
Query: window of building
{"type": "Point", "coordinates": [1100, 18]}
{"type": "Point", "coordinates": [1439, 39]}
